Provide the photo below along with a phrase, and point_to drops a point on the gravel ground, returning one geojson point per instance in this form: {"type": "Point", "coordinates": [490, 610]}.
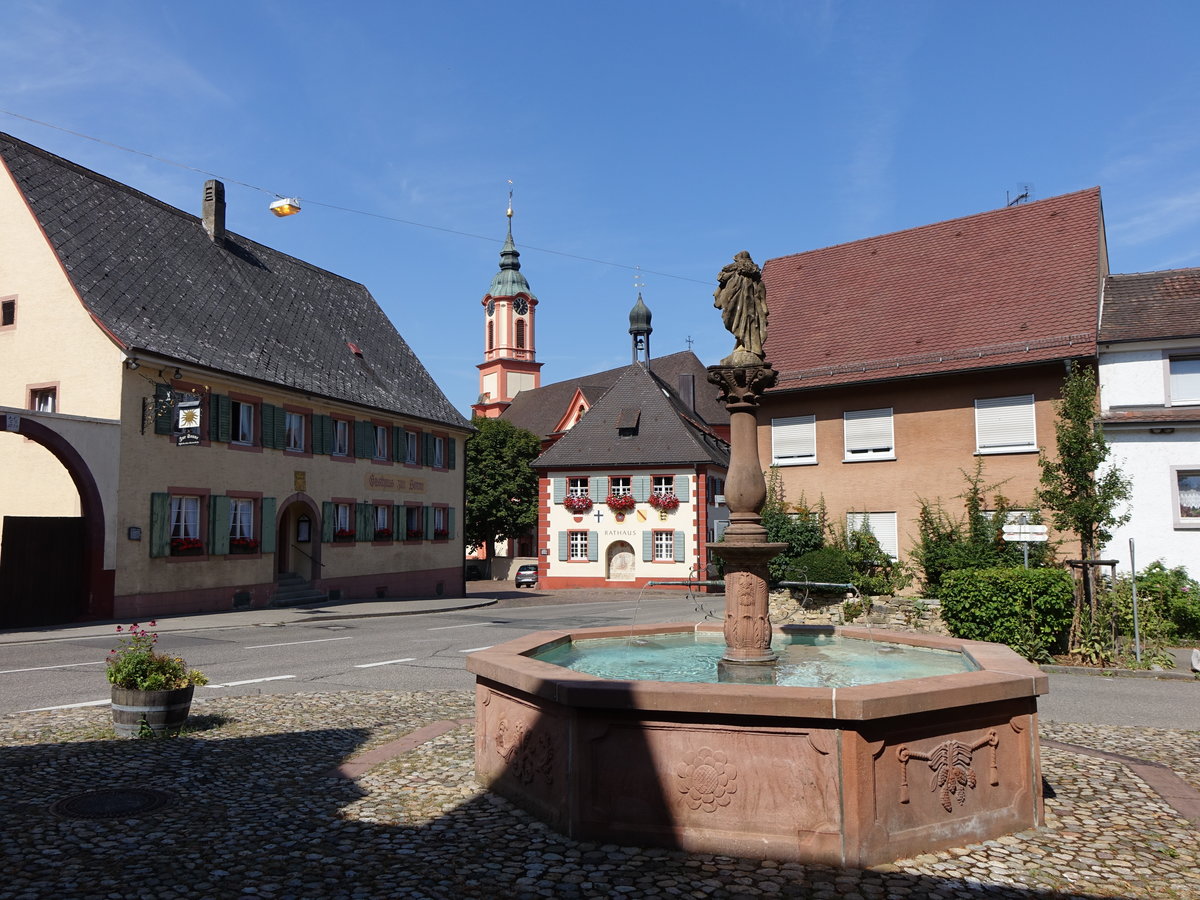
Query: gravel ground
{"type": "Point", "coordinates": [254, 808]}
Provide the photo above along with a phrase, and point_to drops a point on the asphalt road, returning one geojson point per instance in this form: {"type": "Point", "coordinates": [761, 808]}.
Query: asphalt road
{"type": "Point", "coordinates": [426, 652]}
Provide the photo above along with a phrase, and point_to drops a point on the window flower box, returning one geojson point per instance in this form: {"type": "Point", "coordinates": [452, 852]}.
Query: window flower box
{"type": "Point", "coordinates": [578, 504]}
{"type": "Point", "coordinates": [441, 535]}
{"type": "Point", "coordinates": [664, 502]}
{"type": "Point", "coordinates": [343, 536]}
{"type": "Point", "coordinates": [383, 534]}
{"type": "Point", "coordinates": [187, 547]}
{"type": "Point", "coordinates": [243, 545]}
{"type": "Point", "coordinates": [413, 534]}
{"type": "Point", "coordinates": [621, 503]}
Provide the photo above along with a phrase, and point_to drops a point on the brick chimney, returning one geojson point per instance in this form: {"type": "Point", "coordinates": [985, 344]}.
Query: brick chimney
{"type": "Point", "coordinates": [213, 211]}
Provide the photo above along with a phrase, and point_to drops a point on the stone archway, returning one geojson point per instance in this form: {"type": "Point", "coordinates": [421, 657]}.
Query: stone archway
{"type": "Point", "coordinates": [620, 562]}
{"type": "Point", "coordinates": [94, 585]}
{"type": "Point", "coordinates": [298, 537]}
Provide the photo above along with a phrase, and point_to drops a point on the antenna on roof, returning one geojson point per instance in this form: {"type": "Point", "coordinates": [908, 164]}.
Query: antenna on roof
{"type": "Point", "coordinates": [1024, 195]}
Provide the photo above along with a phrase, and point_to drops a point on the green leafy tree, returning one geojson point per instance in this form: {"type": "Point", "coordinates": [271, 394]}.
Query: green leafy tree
{"type": "Point", "coordinates": [1082, 493]}
{"type": "Point", "coordinates": [501, 483]}
{"type": "Point", "coordinates": [799, 526]}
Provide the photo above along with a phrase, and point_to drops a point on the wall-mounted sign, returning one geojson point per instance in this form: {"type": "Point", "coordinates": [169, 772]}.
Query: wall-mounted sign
{"type": "Point", "coordinates": [12, 422]}
{"type": "Point", "coordinates": [395, 483]}
{"type": "Point", "coordinates": [135, 533]}
{"type": "Point", "coordinates": [299, 480]}
{"type": "Point", "coordinates": [187, 422]}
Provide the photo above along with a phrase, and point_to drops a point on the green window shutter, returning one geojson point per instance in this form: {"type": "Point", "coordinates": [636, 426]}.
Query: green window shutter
{"type": "Point", "coordinates": [164, 409]}
{"type": "Point", "coordinates": [429, 523]}
{"type": "Point", "coordinates": [593, 546]}
{"type": "Point", "coordinates": [450, 523]}
{"type": "Point", "coordinates": [327, 521]}
{"type": "Point", "coordinates": [427, 449]}
{"type": "Point", "coordinates": [682, 488]}
{"type": "Point", "coordinates": [562, 546]}
{"type": "Point", "coordinates": [641, 489]}
{"type": "Point", "coordinates": [596, 488]}
{"type": "Point", "coordinates": [679, 539]}
{"type": "Point", "coordinates": [323, 429]}
{"type": "Point", "coordinates": [160, 524]}
{"type": "Point", "coordinates": [364, 522]}
{"type": "Point", "coordinates": [450, 453]}
{"type": "Point", "coordinates": [397, 444]}
{"type": "Point", "coordinates": [267, 529]}
{"type": "Point", "coordinates": [647, 546]}
{"type": "Point", "coordinates": [559, 488]}
{"type": "Point", "coordinates": [223, 418]}
{"type": "Point", "coordinates": [218, 525]}
{"type": "Point", "coordinates": [272, 426]}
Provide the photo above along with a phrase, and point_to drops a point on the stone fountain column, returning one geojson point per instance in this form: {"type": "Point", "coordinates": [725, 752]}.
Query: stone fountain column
{"type": "Point", "coordinates": [748, 657]}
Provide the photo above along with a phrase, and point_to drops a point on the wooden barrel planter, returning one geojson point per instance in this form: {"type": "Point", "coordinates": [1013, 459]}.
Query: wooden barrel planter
{"type": "Point", "coordinates": [163, 712]}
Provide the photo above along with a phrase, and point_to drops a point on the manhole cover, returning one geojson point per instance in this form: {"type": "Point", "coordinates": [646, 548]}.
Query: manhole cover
{"type": "Point", "coordinates": [111, 804]}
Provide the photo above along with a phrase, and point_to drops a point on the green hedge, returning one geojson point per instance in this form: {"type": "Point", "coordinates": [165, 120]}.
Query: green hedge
{"type": "Point", "coordinates": [1009, 606]}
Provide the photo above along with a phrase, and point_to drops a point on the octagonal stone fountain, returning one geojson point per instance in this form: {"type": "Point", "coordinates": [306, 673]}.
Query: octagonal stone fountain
{"type": "Point", "coordinates": [842, 773]}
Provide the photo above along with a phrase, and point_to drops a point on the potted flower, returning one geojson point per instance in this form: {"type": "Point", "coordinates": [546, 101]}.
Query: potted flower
{"type": "Point", "coordinates": [577, 505]}
{"type": "Point", "coordinates": [343, 535]}
{"type": "Point", "coordinates": [441, 534]}
{"type": "Point", "coordinates": [243, 545]}
{"type": "Point", "coordinates": [151, 691]}
{"type": "Point", "coordinates": [620, 503]}
{"type": "Point", "coordinates": [664, 502]}
{"type": "Point", "coordinates": [412, 534]}
{"type": "Point", "coordinates": [383, 534]}
{"type": "Point", "coordinates": [187, 547]}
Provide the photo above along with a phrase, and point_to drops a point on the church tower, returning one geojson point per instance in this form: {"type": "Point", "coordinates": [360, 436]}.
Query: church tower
{"type": "Point", "coordinates": [509, 351]}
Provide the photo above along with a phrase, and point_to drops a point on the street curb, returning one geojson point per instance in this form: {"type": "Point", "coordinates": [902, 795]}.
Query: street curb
{"type": "Point", "coordinates": [1118, 673]}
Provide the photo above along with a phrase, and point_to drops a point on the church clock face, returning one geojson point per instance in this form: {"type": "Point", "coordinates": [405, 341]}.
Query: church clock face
{"type": "Point", "coordinates": [491, 307]}
{"type": "Point", "coordinates": [521, 306]}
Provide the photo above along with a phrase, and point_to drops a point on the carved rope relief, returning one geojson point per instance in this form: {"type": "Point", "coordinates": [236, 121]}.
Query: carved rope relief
{"type": "Point", "coordinates": [952, 763]}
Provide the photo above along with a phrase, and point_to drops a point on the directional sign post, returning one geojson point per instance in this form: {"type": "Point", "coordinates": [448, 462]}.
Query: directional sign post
{"type": "Point", "coordinates": [1022, 531]}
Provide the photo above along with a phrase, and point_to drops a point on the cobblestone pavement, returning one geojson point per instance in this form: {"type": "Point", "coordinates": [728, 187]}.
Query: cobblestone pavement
{"type": "Point", "coordinates": [255, 808]}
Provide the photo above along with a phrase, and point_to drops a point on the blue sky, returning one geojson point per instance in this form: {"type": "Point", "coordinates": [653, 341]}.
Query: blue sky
{"type": "Point", "coordinates": [665, 135]}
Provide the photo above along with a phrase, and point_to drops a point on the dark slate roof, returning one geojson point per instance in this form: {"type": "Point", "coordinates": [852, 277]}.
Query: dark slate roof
{"type": "Point", "coordinates": [1151, 305]}
{"type": "Point", "coordinates": [1005, 287]}
{"type": "Point", "coordinates": [541, 409]}
{"type": "Point", "coordinates": [154, 280]}
{"type": "Point", "coordinates": [666, 434]}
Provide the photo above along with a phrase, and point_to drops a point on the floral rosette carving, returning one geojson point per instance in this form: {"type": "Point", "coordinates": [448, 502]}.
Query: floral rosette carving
{"type": "Point", "coordinates": [707, 780]}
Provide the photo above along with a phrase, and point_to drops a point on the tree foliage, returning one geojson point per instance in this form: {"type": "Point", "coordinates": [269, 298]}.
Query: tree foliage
{"type": "Point", "coordinates": [1082, 494]}
{"type": "Point", "coordinates": [501, 484]}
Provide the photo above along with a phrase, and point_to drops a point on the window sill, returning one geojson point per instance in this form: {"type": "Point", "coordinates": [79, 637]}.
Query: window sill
{"type": "Point", "coordinates": [793, 462]}
{"type": "Point", "coordinates": [1003, 451]}
{"type": "Point", "coordinates": [244, 448]}
{"type": "Point", "coordinates": [862, 459]}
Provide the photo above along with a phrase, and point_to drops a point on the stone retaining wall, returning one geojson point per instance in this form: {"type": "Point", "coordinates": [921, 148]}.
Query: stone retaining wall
{"type": "Point", "coordinates": [794, 607]}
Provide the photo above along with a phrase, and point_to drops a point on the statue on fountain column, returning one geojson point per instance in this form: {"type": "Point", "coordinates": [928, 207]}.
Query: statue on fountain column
{"type": "Point", "coordinates": [742, 298]}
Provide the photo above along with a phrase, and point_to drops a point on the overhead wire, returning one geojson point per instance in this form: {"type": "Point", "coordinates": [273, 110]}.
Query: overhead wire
{"type": "Point", "coordinates": [346, 209]}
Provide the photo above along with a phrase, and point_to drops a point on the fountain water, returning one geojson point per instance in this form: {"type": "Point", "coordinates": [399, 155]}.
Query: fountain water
{"type": "Point", "coordinates": [843, 775]}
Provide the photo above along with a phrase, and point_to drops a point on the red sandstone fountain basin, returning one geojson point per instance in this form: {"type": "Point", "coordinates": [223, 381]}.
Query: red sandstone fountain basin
{"type": "Point", "coordinates": [851, 776]}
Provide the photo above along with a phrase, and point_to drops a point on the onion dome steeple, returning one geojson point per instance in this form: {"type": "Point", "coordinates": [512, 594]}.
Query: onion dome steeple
{"type": "Point", "coordinates": [509, 281]}
{"type": "Point", "coordinates": [639, 327]}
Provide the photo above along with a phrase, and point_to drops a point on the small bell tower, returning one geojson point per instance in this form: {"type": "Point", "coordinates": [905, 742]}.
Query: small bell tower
{"type": "Point", "coordinates": [509, 350]}
{"type": "Point", "coordinates": [639, 329]}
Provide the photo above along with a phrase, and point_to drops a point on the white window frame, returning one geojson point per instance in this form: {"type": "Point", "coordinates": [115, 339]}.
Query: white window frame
{"type": "Point", "coordinates": [794, 441]}
{"type": "Point", "coordinates": [441, 522]}
{"type": "Point", "coordinates": [382, 516]}
{"type": "Point", "coordinates": [410, 447]}
{"type": "Point", "coordinates": [1181, 495]}
{"type": "Point", "coordinates": [241, 517]}
{"type": "Point", "coordinates": [294, 428]}
{"type": "Point", "coordinates": [241, 421]}
{"type": "Point", "coordinates": [1184, 384]}
{"type": "Point", "coordinates": [1006, 425]}
{"type": "Point", "coordinates": [881, 524]}
{"type": "Point", "coordinates": [381, 442]}
{"type": "Point", "coordinates": [439, 452]}
{"type": "Point", "coordinates": [578, 487]}
{"type": "Point", "coordinates": [414, 520]}
{"type": "Point", "coordinates": [44, 399]}
{"type": "Point", "coordinates": [622, 489]}
{"type": "Point", "coordinates": [185, 516]}
{"type": "Point", "coordinates": [664, 546]}
{"type": "Point", "coordinates": [341, 437]}
{"type": "Point", "coordinates": [868, 434]}
{"type": "Point", "coordinates": [577, 546]}
{"type": "Point", "coordinates": [663, 484]}
{"type": "Point", "coordinates": [343, 517]}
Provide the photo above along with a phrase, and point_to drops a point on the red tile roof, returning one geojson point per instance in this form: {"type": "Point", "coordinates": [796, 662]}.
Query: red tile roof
{"type": "Point", "coordinates": [1149, 305]}
{"type": "Point", "coordinates": [1005, 287]}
